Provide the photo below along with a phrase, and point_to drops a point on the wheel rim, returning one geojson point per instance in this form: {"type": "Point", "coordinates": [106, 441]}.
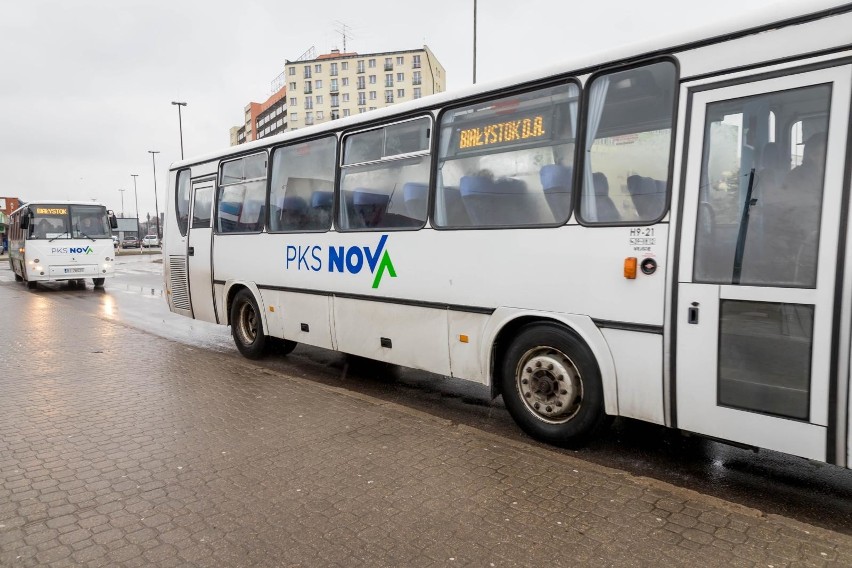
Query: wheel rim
{"type": "Point", "coordinates": [549, 384]}
{"type": "Point", "coordinates": [247, 324]}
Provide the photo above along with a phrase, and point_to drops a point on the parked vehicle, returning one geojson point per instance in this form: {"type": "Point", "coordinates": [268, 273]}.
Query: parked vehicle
{"type": "Point", "coordinates": [130, 242]}
{"type": "Point", "coordinates": [115, 241]}
{"type": "Point", "coordinates": [150, 241]}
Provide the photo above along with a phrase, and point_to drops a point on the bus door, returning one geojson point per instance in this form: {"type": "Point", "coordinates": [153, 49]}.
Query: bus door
{"type": "Point", "coordinates": [199, 251]}
{"type": "Point", "coordinates": [758, 260]}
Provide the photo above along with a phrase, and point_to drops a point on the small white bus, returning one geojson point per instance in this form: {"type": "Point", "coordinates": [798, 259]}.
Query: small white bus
{"type": "Point", "coordinates": [661, 233]}
{"type": "Point", "coordinates": [60, 241]}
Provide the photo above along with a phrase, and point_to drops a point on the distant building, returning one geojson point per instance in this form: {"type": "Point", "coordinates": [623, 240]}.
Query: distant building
{"type": "Point", "coordinates": [7, 205]}
{"type": "Point", "coordinates": [335, 85]}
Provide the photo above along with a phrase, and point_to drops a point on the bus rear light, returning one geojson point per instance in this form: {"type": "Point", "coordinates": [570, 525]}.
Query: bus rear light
{"type": "Point", "coordinates": [630, 267]}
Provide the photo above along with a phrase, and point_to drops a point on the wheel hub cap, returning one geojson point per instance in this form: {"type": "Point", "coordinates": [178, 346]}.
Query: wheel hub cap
{"type": "Point", "coordinates": [550, 385]}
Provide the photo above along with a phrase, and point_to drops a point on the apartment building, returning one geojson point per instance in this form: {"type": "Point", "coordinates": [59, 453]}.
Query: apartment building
{"type": "Point", "coordinates": [336, 85]}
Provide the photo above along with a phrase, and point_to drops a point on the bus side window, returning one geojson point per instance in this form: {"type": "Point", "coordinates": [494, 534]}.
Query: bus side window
{"type": "Point", "coordinates": [628, 143]}
{"type": "Point", "coordinates": [302, 185]}
{"type": "Point", "coordinates": [242, 195]}
{"type": "Point", "coordinates": [508, 162]}
{"type": "Point", "coordinates": [385, 177]}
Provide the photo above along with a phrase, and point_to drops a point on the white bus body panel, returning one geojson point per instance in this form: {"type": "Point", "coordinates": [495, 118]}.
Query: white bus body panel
{"type": "Point", "coordinates": [69, 259]}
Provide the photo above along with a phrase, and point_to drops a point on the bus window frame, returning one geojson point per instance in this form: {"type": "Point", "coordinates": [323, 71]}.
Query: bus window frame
{"type": "Point", "coordinates": [332, 133]}
{"type": "Point", "coordinates": [581, 141]}
{"type": "Point", "coordinates": [185, 232]}
{"type": "Point", "coordinates": [429, 153]}
{"type": "Point", "coordinates": [242, 156]}
{"type": "Point", "coordinates": [563, 79]}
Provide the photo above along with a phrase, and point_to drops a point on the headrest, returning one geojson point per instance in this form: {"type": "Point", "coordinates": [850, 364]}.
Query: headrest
{"type": "Point", "coordinates": [293, 203]}
{"type": "Point", "coordinates": [601, 184]}
{"type": "Point", "coordinates": [321, 199]}
{"type": "Point", "coordinates": [554, 175]}
{"type": "Point", "coordinates": [413, 191]}
{"type": "Point", "coordinates": [363, 197]}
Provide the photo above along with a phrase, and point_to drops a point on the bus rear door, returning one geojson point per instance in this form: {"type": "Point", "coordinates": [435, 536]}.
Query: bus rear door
{"type": "Point", "coordinates": [758, 261]}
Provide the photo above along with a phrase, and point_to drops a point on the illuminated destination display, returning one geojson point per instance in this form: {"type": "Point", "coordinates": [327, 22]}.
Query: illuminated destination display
{"type": "Point", "coordinates": [51, 211]}
{"type": "Point", "coordinates": [503, 132]}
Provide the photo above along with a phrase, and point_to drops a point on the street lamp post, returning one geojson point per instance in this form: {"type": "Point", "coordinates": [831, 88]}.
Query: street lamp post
{"type": "Point", "coordinates": [121, 191]}
{"type": "Point", "coordinates": [136, 198]}
{"type": "Point", "coordinates": [156, 203]}
{"type": "Point", "coordinates": [180, 126]}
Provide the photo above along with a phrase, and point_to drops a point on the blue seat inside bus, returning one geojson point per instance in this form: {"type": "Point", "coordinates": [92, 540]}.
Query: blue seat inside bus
{"type": "Point", "coordinates": [292, 212]}
{"type": "Point", "coordinates": [648, 195]}
{"type": "Point", "coordinates": [556, 184]}
{"type": "Point", "coordinates": [320, 212]}
{"type": "Point", "coordinates": [606, 209]}
{"type": "Point", "coordinates": [416, 197]}
{"type": "Point", "coordinates": [503, 201]}
{"type": "Point", "coordinates": [369, 207]}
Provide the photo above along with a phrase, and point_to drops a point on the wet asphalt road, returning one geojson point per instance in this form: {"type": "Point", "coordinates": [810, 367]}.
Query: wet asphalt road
{"type": "Point", "coordinates": [770, 482]}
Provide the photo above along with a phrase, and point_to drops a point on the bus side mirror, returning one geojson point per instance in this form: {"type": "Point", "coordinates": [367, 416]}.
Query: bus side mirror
{"type": "Point", "coordinates": [25, 220]}
{"type": "Point", "coordinates": [113, 222]}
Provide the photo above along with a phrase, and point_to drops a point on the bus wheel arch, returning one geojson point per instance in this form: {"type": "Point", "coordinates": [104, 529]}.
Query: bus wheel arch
{"type": "Point", "coordinates": [550, 380]}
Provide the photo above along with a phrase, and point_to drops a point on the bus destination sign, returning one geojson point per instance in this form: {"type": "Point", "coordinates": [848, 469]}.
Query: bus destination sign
{"type": "Point", "coordinates": [506, 132]}
{"type": "Point", "coordinates": [51, 211]}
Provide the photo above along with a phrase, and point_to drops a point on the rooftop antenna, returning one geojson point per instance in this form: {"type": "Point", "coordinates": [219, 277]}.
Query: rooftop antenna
{"type": "Point", "coordinates": [344, 32]}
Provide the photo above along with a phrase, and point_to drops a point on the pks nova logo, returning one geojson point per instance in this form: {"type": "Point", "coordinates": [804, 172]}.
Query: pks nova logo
{"type": "Point", "coordinates": [72, 250]}
{"type": "Point", "coordinates": [351, 259]}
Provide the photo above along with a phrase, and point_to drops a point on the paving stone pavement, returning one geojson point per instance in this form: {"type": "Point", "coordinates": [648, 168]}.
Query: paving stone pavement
{"type": "Point", "coordinates": [118, 448]}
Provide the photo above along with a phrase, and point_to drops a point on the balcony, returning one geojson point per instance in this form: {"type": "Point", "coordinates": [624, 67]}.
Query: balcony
{"type": "Point", "coordinates": [308, 90]}
{"type": "Point", "coordinates": [309, 121]}
{"type": "Point", "coordinates": [388, 66]}
{"type": "Point", "coordinates": [389, 99]}
{"type": "Point", "coordinates": [309, 106]}
{"type": "Point", "coordinates": [416, 82]}
{"type": "Point", "coordinates": [416, 65]}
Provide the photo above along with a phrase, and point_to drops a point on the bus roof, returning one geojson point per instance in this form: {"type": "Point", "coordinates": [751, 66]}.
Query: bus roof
{"type": "Point", "coordinates": [783, 13]}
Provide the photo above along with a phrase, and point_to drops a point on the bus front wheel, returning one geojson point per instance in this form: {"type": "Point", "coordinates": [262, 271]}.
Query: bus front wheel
{"type": "Point", "coordinates": [98, 282]}
{"type": "Point", "coordinates": [551, 385]}
{"type": "Point", "coordinates": [247, 326]}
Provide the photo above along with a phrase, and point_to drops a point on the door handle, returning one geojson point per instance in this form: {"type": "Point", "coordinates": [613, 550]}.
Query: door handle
{"type": "Point", "coordinates": [190, 251]}
{"type": "Point", "coordinates": [692, 313]}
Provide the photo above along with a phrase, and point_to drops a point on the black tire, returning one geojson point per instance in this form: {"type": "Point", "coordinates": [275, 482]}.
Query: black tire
{"type": "Point", "coordinates": [282, 346]}
{"type": "Point", "coordinates": [247, 326]}
{"type": "Point", "coordinates": [98, 282]}
{"type": "Point", "coordinates": [18, 278]}
{"type": "Point", "coordinates": [32, 285]}
{"type": "Point", "coordinates": [551, 385]}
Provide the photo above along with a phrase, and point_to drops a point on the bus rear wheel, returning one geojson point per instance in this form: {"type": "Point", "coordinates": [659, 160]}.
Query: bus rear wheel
{"type": "Point", "coordinates": [551, 385]}
{"type": "Point", "coordinates": [247, 326]}
{"type": "Point", "coordinates": [98, 282]}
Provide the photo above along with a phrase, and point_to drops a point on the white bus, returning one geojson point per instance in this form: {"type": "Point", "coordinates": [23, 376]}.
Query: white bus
{"type": "Point", "coordinates": [658, 233]}
{"type": "Point", "coordinates": [61, 240]}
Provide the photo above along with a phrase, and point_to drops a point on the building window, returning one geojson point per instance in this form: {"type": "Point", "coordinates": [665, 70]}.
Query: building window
{"type": "Point", "coordinates": [294, 116]}
{"type": "Point", "coordinates": [345, 97]}
{"type": "Point", "coordinates": [346, 112]}
{"type": "Point", "coordinates": [307, 71]}
{"type": "Point", "coordinates": [400, 76]}
{"type": "Point", "coordinates": [389, 80]}
{"type": "Point", "coordinates": [333, 69]}
{"type": "Point", "coordinates": [372, 108]}
{"type": "Point", "coordinates": [309, 102]}
{"type": "Point", "coordinates": [362, 109]}
{"type": "Point", "coordinates": [309, 118]}
{"type": "Point", "coordinates": [415, 79]}
{"type": "Point", "coordinates": [372, 95]}
{"type": "Point", "coordinates": [361, 66]}
{"type": "Point", "coordinates": [334, 87]}
{"type": "Point", "coordinates": [318, 84]}
{"type": "Point", "coordinates": [320, 115]}
{"type": "Point", "coordinates": [318, 67]}
{"type": "Point", "coordinates": [388, 96]}
{"type": "Point", "coordinates": [293, 86]}
{"type": "Point", "coordinates": [372, 79]}
{"type": "Point", "coordinates": [361, 82]}
{"type": "Point", "coordinates": [362, 98]}
{"type": "Point", "coordinates": [319, 99]}
{"type": "Point", "coordinates": [400, 93]}
{"type": "Point", "coordinates": [308, 88]}
{"type": "Point", "coordinates": [292, 70]}
{"type": "Point", "coordinates": [293, 101]}
{"type": "Point", "coordinates": [400, 60]}
{"type": "Point", "coordinates": [415, 61]}
{"type": "Point", "coordinates": [417, 93]}
{"type": "Point", "coordinates": [388, 63]}
{"type": "Point", "coordinates": [345, 81]}
{"type": "Point", "coordinates": [335, 101]}
{"type": "Point", "coordinates": [344, 66]}
{"type": "Point", "coordinates": [372, 63]}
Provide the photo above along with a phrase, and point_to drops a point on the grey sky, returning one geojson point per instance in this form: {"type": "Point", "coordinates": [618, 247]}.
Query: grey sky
{"type": "Point", "coordinates": [86, 85]}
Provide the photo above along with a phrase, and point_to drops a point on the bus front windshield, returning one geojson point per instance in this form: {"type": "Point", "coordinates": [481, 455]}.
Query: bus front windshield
{"type": "Point", "coordinates": [69, 222]}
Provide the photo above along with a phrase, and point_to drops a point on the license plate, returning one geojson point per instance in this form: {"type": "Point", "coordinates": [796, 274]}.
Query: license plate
{"type": "Point", "coordinates": [74, 270]}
